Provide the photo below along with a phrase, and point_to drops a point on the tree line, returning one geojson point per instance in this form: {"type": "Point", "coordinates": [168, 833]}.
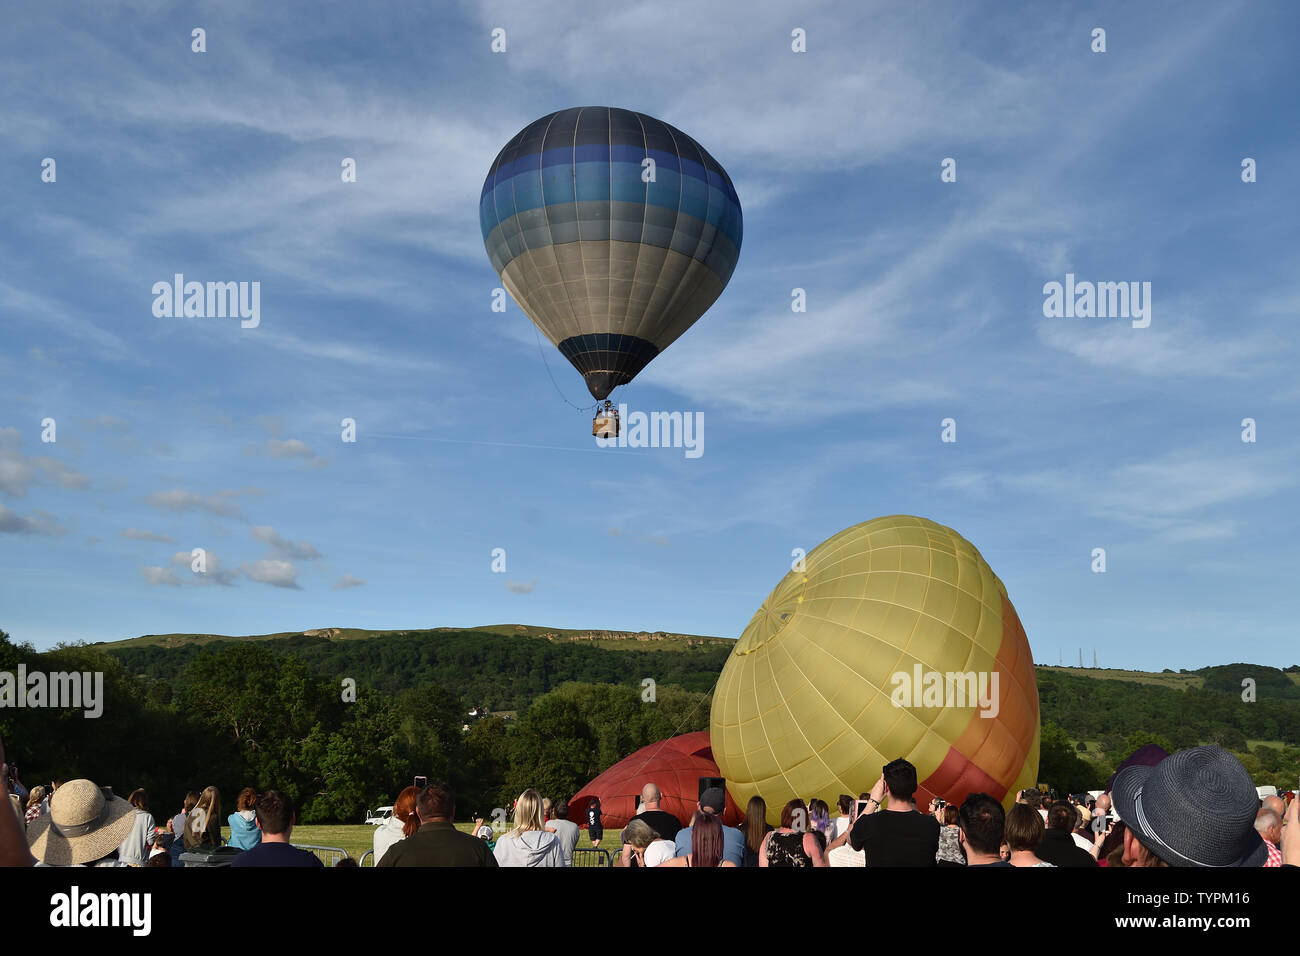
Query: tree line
{"type": "Point", "coordinates": [235, 714]}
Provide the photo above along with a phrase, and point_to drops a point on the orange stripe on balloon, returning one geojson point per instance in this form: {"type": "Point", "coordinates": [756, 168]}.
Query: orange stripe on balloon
{"type": "Point", "coordinates": [1001, 744]}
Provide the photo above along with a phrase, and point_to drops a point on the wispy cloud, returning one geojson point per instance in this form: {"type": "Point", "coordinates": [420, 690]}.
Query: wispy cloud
{"type": "Point", "coordinates": [278, 574]}
{"type": "Point", "coordinates": [136, 534]}
{"type": "Point", "coordinates": [19, 472]}
{"type": "Point", "coordinates": [223, 504]}
{"type": "Point", "coordinates": [38, 523]}
{"type": "Point", "coordinates": [155, 576]}
{"type": "Point", "coordinates": [284, 548]}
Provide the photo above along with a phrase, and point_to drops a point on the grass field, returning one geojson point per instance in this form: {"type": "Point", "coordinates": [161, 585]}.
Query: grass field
{"type": "Point", "coordinates": [356, 839]}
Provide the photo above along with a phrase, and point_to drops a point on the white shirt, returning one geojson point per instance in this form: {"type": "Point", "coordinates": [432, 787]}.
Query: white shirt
{"type": "Point", "coordinates": [838, 826]}
{"type": "Point", "coordinates": [386, 834]}
{"type": "Point", "coordinates": [659, 851]}
{"type": "Point", "coordinates": [846, 856]}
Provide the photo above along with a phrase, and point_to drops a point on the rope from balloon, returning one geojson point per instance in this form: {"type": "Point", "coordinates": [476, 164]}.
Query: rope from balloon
{"type": "Point", "coordinates": [581, 408]}
{"type": "Point", "coordinates": [606, 423]}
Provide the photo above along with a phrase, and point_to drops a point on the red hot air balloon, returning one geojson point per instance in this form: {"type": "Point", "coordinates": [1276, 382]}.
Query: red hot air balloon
{"type": "Point", "coordinates": [674, 765]}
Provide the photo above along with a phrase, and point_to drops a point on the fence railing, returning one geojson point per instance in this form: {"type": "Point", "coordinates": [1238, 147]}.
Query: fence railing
{"type": "Point", "coordinates": [592, 857]}
{"type": "Point", "coordinates": [328, 855]}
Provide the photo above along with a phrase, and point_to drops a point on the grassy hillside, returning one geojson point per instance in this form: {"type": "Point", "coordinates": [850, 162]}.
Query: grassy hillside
{"type": "Point", "coordinates": [610, 640]}
{"type": "Point", "coordinates": [498, 667]}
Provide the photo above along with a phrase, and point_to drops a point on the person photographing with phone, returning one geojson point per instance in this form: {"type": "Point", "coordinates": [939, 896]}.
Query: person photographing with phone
{"type": "Point", "coordinates": [898, 835]}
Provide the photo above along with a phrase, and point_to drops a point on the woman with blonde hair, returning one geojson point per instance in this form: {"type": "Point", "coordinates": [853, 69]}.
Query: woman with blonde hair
{"type": "Point", "coordinates": [203, 823]}
{"type": "Point", "coordinates": [643, 847]}
{"type": "Point", "coordinates": [529, 843]}
{"type": "Point", "coordinates": [35, 803]}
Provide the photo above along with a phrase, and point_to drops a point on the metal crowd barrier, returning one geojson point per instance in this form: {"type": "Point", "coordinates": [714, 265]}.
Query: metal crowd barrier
{"type": "Point", "coordinates": [592, 857]}
{"type": "Point", "coordinates": [328, 855]}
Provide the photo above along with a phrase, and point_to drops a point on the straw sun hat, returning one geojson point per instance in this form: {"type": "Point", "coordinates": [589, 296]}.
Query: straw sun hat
{"type": "Point", "coordinates": [81, 827]}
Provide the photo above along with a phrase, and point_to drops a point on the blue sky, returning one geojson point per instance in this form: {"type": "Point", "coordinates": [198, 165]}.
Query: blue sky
{"type": "Point", "coordinates": [924, 301]}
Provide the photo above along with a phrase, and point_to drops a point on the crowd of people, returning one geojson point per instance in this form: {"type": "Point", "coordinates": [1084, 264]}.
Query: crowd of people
{"type": "Point", "coordinates": [1196, 807]}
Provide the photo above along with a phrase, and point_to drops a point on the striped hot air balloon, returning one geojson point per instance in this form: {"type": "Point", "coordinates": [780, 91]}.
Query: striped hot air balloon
{"type": "Point", "coordinates": [613, 231]}
{"type": "Point", "coordinates": [831, 679]}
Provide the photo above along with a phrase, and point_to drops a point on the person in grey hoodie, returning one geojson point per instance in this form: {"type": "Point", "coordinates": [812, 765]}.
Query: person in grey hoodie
{"type": "Point", "coordinates": [529, 843]}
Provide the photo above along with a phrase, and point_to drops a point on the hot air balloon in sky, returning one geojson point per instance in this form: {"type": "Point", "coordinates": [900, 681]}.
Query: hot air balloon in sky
{"type": "Point", "coordinates": [613, 231]}
{"type": "Point", "coordinates": [835, 675]}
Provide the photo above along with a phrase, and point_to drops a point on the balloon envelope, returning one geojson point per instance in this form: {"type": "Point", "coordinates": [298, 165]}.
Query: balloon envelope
{"type": "Point", "coordinates": [613, 231]}
{"type": "Point", "coordinates": [811, 701]}
{"type": "Point", "coordinates": [674, 765]}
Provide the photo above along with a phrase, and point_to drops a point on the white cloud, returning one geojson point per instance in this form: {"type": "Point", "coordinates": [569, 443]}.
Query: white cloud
{"type": "Point", "coordinates": [136, 534]}
{"type": "Point", "coordinates": [223, 504]}
{"type": "Point", "coordinates": [18, 472]}
{"type": "Point", "coordinates": [38, 522]}
{"type": "Point", "coordinates": [155, 576]}
{"type": "Point", "coordinates": [521, 587]}
{"type": "Point", "coordinates": [108, 421]}
{"type": "Point", "coordinates": [299, 551]}
{"type": "Point", "coordinates": [1173, 496]}
{"type": "Point", "coordinates": [212, 573]}
{"type": "Point", "coordinates": [347, 581]}
{"type": "Point", "coordinates": [278, 574]}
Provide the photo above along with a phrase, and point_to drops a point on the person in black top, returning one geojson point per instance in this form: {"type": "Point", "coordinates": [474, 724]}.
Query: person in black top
{"type": "Point", "coordinates": [595, 823]}
{"type": "Point", "coordinates": [1058, 846]}
{"type": "Point", "coordinates": [437, 842]}
{"type": "Point", "coordinates": [661, 821]}
{"type": "Point", "coordinates": [899, 835]}
{"type": "Point", "coordinates": [275, 818]}
{"type": "Point", "coordinates": [983, 822]}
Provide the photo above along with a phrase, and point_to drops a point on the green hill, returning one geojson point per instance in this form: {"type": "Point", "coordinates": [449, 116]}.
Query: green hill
{"type": "Point", "coordinates": [499, 667]}
{"type": "Point", "coordinates": [612, 640]}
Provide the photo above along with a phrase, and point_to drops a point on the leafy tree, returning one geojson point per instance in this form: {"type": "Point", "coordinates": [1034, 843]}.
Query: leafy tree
{"type": "Point", "coordinates": [552, 749]}
{"type": "Point", "coordinates": [485, 762]}
{"type": "Point", "coordinates": [1059, 765]}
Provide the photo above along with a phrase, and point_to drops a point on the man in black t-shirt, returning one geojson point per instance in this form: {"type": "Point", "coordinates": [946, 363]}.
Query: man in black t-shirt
{"type": "Point", "coordinates": [275, 818]}
{"type": "Point", "coordinates": [898, 835]}
{"type": "Point", "coordinates": [661, 821]}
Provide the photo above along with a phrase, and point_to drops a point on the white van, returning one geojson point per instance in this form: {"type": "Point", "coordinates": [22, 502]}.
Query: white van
{"type": "Point", "coordinates": [379, 817]}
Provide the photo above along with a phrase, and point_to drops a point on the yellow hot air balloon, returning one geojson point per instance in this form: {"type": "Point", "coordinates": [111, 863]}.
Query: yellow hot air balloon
{"type": "Point", "coordinates": [896, 640]}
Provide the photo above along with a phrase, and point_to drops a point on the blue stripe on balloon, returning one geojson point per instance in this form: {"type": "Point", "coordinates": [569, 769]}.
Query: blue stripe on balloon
{"type": "Point", "coordinates": [620, 182]}
{"type": "Point", "coordinates": [621, 155]}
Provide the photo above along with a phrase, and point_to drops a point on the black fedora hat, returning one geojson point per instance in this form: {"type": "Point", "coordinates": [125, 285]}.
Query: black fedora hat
{"type": "Point", "coordinates": [1195, 808]}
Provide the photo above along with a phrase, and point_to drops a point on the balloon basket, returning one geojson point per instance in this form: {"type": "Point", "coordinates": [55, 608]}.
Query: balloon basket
{"type": "Point", "coordinates": [605, 424]}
